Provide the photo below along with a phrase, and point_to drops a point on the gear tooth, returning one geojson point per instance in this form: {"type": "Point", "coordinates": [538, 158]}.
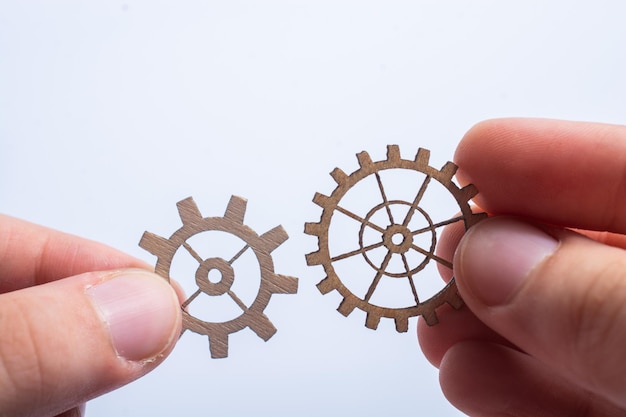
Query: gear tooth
{"type": "Point", "coordinates": [364, 159]}
{"type": "Point", "coordinates": [321, 200]}
{"type": "Point", "coordinates": [402, 324]}
{"type": "Point", "coordinates": [283, 284]}
{"type": "Point", "coordinates": [274, 237]}
{"type": "Point", "coordinates": [448, 171]}
{"type": "Point", "coordinates": [339, 176]}
{"type": "Point", "coordinates": [372, 320]}
{"type": "Point", "coordinates": [236, 209]}
{"type": "Point", "coordinates": [393, 153]}
{"type": "Point", "coordinates": [262, 326]}
{"type": "Point", "coordinates": [346, 307]}
{"type": "Point", "coordinates": [313, 229]}
{"type": "Point", "coordinates": [218, 345]}
{"type": "Point", "coordinates": [314, 258]}
{"type": "Point", "coordinates": [469, 191]}
{"type": "Point", "coordinates": [155, 244]}
{"type": "Point", "coordinates": [430, 318]}
{"type": "Point", "coordinates": [422, 157]}
{"type": "Point", "coordinates": [325, 286]}
{"type": "Point", "coordinates": [188, 211]}
{"type": "Point", "coordinates": [455, 300]}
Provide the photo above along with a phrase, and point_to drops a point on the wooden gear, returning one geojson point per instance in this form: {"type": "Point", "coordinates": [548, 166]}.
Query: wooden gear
{"type": "Point", "coordinates": [331, 205]}
{"type": "Point", "coordinates": [232, 222]}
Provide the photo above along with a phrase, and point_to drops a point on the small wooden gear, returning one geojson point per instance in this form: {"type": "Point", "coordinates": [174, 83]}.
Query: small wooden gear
{"type": "Point", "coordinates": [396, 237]}
{"type": "Point", "coordinates": [252, 316]}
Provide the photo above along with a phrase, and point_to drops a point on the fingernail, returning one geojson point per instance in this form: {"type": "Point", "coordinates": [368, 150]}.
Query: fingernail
{"type": "Point", "coordinates": [140, 310]}
{"type": "Point", "coordinates": [496, 256]}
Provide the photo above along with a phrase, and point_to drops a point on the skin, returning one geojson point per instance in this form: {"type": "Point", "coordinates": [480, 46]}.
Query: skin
{"type": "Point", "coordinates": [52, 330]}
{"type": "Point", "coordinates": [538, 337]}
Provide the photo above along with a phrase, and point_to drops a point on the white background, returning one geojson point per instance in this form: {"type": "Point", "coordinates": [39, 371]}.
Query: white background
{"type": "Point", "coordinates": [111, 112]}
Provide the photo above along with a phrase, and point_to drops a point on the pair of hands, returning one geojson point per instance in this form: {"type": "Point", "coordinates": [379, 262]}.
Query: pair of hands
{"type": "Point", "coordinates": [542, 335]}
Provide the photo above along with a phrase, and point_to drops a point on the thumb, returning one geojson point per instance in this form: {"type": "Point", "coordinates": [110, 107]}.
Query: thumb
{"type": "Point", "coordinates": [70, 340]}
{"type": "Point", "coordinates": [557, 295]}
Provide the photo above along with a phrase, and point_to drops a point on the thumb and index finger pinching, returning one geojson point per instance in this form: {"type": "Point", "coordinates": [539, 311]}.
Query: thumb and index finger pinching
{"type": "Point", "coordinates": [69, 340]}
{"type": "Point", "coordinates": [554, 293]}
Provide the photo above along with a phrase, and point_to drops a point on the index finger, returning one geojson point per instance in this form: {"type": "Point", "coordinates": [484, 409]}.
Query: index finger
{"type": "Point", "coordinates": [566, 173]}
{"type": "Point", "coordinates": [32, 255]}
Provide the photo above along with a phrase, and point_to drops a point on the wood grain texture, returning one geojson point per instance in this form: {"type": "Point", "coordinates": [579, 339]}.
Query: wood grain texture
{"type": "Point", "coordinates": [252, 316]}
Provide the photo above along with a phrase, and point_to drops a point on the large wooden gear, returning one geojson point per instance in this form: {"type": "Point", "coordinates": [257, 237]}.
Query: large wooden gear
{"type": "Point", "coordinates": [252, 316]}
{"type": "Point", "coordinates": [396, 237]}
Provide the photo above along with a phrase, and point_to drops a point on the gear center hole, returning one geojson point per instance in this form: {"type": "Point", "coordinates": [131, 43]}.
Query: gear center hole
{"type": "Point", "coordinates": [214, 276]}
{"type": "Point", "coordinates": [397, 238]}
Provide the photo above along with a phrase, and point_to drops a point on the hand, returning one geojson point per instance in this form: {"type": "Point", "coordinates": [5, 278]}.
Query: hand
{"type": "Point", "coordinates": [545, 331]}
{"type": "Point", "coordinates": [68, 334]}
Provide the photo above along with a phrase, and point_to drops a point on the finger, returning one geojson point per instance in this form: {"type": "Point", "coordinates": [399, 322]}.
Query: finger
{"type": "Point", "coordinates": [560, 297]}
{"type": "Point", "coordinates": [455, 326]}
{"type": "Point", "coordinates": [32, 255]}
{"type": "Point", "coordinates": [608, 238]}
{"type": "Point", "coordinates": [485, 379]}
{"type": "Point", "coordinates": [73, 339]}
{"type": "Point", "coordinates": [566, 173]}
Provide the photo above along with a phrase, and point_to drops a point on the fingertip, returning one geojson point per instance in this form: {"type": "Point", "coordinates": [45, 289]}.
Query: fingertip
{"type": "Point", "coordinates": [496, 256]}
{"type": "Point", "coordinates": [141, 312]}
{"type": "Point", "coordinates": [430, 340]}
{"type": "Point", "coordinates": [471, 379]}
{"type": "Point", "coordinates": [455, 326]}
{"type": "Point", "coordinates": [470, 143]}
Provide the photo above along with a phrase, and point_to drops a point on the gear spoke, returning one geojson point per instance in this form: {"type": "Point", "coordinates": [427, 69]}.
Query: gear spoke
{"type": "Point", "coordinates": [238, 254]}
{"type": "Point", "coordinates": [379, 274]}
{"type": "Point", "coordinates": [190, 299]}
{"type": "Point", "coordinates": [360, 219]}
{"type": "Point", "coordinates": [433, 256]}
{"type": "Point", "coordinates": [192, 252]}
{"type": "Point", "coordinates": [237, 300]}
{"type": "Point", "coordinates": [410, 277]}
{"type": "Point", "coordinates": [417, 200]}
{"type": "Point", "coordinates": [385, 200]}
{"type": "Point", "coordinates": [437, 225]}
{"type": "Point", "coordinates": [358, 251]}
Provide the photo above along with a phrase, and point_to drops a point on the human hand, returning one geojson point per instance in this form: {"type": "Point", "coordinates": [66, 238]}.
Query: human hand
{"type": "Point", "coordinates": [68, 334]}
{"type": "Point", "coordinates": [544, 334]}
